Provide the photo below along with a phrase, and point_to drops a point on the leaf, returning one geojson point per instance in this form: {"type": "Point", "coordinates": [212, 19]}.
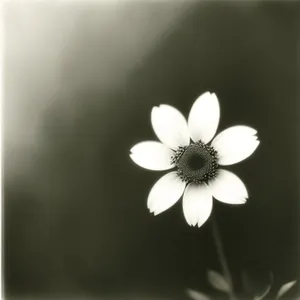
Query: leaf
{"type": "Point", "coordinates": [267, 290]}
{"type": "Point", "coordinates": [284, 288]}
{"type": "Point", "coordinates": [195, 295]}
{"type": "Point", "coordinates": [246, 282]}
{"type": "Point", "coordinates": [218, 281]}
{"type": "Point", "coordinates": [264, 294]}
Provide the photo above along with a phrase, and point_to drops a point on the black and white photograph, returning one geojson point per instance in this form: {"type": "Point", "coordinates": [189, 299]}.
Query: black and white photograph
{"type": "Point", "coordinates": [150, 150]}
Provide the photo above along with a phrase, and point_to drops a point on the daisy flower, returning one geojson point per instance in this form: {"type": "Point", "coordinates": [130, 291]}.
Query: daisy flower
{"type": "Point", "coordinates": [185, 146]}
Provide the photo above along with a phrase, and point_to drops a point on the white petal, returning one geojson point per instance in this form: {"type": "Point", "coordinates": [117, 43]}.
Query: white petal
{"type": "Point", "coordinates": [170, 126]}
{"type": "Point", "coordinates": [234, 144]}
{"type": "Point", "coordinates": [152, 155]}
{"type": "Point", "coordinates": [228, 188]}
{"type": "Point", "coordinates": [197, 204]}
{"type": "Point", "coordinates": [204, 117]}
{"type": "Point", "coordinates": [165, 193]}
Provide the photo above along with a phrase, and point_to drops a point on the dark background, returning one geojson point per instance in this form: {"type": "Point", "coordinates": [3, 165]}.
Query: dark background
{"type": "Point", "coordinates": [80, 80]}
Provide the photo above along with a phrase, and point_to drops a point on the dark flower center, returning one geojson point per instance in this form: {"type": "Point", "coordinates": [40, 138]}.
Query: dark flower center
{"type": "Point", "coordinates": [196, 163]}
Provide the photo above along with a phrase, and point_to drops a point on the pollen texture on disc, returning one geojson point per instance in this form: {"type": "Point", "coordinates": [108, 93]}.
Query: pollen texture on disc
{"type": "Point", "coordinates": [196, 163]}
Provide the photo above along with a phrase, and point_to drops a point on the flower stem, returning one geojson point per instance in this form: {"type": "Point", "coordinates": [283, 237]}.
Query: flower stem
{"type": "Point", "coordinates": [222, 258]}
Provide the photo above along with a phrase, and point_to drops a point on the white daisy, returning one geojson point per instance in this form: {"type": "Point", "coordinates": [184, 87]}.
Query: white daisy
{"type": "Point", "coordinates": [185, 147]}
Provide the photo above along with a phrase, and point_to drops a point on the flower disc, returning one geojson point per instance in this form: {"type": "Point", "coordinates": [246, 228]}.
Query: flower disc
{"type": "Point", "coordinates": [196, 163]}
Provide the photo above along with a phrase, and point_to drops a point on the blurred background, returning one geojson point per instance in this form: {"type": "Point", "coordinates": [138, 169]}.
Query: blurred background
{"type": "Point", "coordinates": [80, 79]}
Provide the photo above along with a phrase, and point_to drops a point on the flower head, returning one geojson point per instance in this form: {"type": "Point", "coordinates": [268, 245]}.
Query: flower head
{"type": "Point", "coordinates": [185, 146]}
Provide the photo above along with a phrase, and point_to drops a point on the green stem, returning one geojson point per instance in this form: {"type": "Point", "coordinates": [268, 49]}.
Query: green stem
{"type": "Point", "coordinates": [222, 258]}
